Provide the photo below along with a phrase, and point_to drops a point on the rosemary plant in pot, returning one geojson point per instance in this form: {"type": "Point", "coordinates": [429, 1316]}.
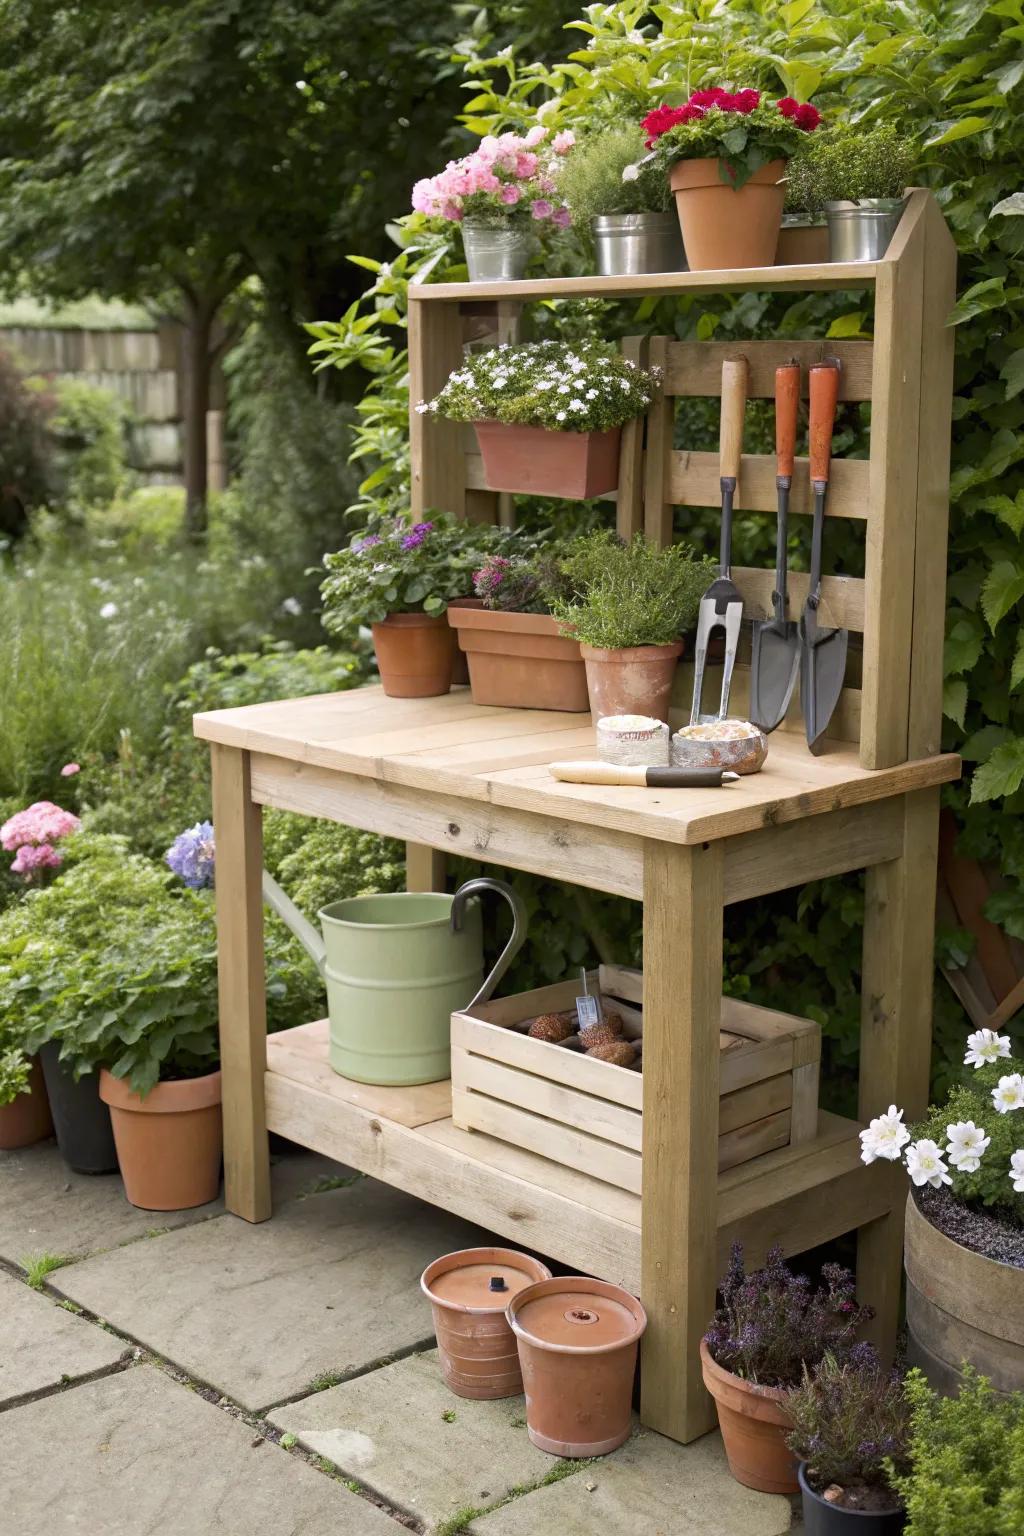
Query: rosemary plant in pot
{"type": "Point", "coordinates": [548, 415]}
{"type": "Point", "coordinates": [964, 1244]}
{"type": "Point", "coordinates": [635, 601]}
{"type": "Point", "coordinates": [857, 177]}
{"type": "Point", "coordinates": [626, 206]}
{"type": "Point", "coordinates": [725, 153]}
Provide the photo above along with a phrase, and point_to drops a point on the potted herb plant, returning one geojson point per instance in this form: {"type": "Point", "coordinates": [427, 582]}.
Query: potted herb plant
{"type": "Point", "coordinates": [499, 194]}
{"type": "Point", "coordinates": [769, 1326]}
{"type": "Point", "coordinates": [518, 657]}
{"type": "Point", "coordinates": [633, 603]}
{"type": "Point", "coordinates": [399, 580]}
{"type": "Point", "coordinates": [548, 415]}
{"type": "Point", "coordinates": [624, 205]}
{"type": "Point", "coordinates": [726, 154]}
{"type": "Point", "coordinates": [851, 1431]}
{"type": "Point", "coordinates": [857, 177]}
{"type": "Point", "coordinates": [964, 1245]}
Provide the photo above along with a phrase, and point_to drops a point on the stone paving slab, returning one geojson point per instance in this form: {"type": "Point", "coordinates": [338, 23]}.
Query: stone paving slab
{"type": "Point", "coordinates": [387, 1429]}
{"type": "Point", "coordinates": [331, 1283]}
{"type": "Point", "coordinates": [42, 1345]}
{"type": "Point", "coordinates": [651, 1487]}
{"type": "Point", "coordinates": [137, 1455]}
{"type": "Point", "coordinates": [45, 1208]}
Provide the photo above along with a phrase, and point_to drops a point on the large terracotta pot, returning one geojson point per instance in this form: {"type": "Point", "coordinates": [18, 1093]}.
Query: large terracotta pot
{"type": "Point", "coordinates": [415, 655]}
{"type": "Point", "coordinates": [961, 1306]}
{"type": "Point", "coordinates": [754, 1422]}
{"type": "Point", "coordinates": [726, 227]}
{"type": "Point", "coordinates": [26, 1119]}
{"type": "Point", "coordinates": [636, 680]}
{"type": "Point", "coordinates": [521, 660]}
{"type": "Point", "coordinates": [169, 1143]}
{"type": "Point", "coordinates": [460, 668]}
{"type": "Point", "coordinates": [534, 461]}
{"type": "Point", "coordinates": [468, 1293]}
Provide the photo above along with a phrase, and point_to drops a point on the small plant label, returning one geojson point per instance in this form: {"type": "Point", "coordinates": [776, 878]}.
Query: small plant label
{"type": "Point", "coordinates": [588, 1011]}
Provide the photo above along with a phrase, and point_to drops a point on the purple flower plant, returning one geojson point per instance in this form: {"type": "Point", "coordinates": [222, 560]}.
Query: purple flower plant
{"type": "Point", "coordinates": [191, 856]}
{"type": "Point", "coordinates": [414, 538]}
{"type": "Point", "coordinates": [358, 545]}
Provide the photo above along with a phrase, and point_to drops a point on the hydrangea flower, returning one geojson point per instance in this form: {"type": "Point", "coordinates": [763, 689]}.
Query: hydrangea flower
{"type": "Point", "coordinates": [1017, 1171]}
{"type": "Point", "coordinates": [28, 859]}
{"type": "Point", "coordinates": [69, 770]}
{"type": "Point", "coordinates": [925, 1165]}
{"type": "Point", "coordinates": [191, 856]}
{"type": "Point", "coordinates": [984, 1047]}
{"type": "Point", "coordinates": [967, 1145]}
{"type": "Point", "coordinates": [1009, 1094]}
{"type": "Point", "coordinates": [42, 822]}
{"type": "Point", "coordinates": [885, 1137]}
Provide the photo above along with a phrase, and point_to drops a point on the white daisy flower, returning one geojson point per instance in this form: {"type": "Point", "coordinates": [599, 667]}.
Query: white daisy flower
{"type": "Point", "coordinates": [591, 394]}
{"type": "Point", "coordinates": [984, 1047]}
{"type": "Point", "coordinates": [925, 1165]}
{"type": "Point", "coordinates": [1009, 1094]}
{"type": "Point", "coordinates": [967, 1144]}
{"type": "Point", "coordinates": [576, 405]}
{"type": "Point", "coordinates": [885, 1137]}
{"type": "Point", "coordinates": [631, 173]}
{"type": "Point", "coordinates": [1017, 1170]}
{"type": "Point", "coordinates": [559, 415]}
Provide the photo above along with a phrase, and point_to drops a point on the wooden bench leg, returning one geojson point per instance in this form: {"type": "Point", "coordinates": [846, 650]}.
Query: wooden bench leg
{"type": "Point", "coordinates": [682, 1016]}
{"type": "Point", "coordinates": [238, 829]}
{"type": "Point", "coordinates": [896, 1030]}
{"type": "Point", "coordinates": [424, 868]}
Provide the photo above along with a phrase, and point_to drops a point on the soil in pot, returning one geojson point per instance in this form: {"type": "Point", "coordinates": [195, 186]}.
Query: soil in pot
{"type": "Point", "coordinates": [169, 1143]}
{"type": "Point", "coordinates": [26, 1119]}
{"type": "Point", "coordinates": [81, 1121]}
{"type": "Point", "coordinates": [468, 1293]}
{"type": "Point", "coordinates": [634, 681]}
{"type": "Point", "coordinates": [754, 1422]}
{"type": "Point", "coordinates": [578, 1343]}
{"type": "Point", "coordinates": [725, 227]}
{"type": "Point", "coordinates": [521, 660]}
{"type": "Point", "coordinates": [415, 655]}
{"type": "Point", "coordinates": [535, 461]}
{"type": "Point", "coordinates": [852, 1512]}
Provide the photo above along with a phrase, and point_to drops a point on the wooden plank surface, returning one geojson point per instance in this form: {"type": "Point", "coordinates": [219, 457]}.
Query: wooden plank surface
{"type": "Point", "coordinates": [438, 472]}
{"type": "Point", "coordinates": [693, 481]}
{"type": "Point", "coordinates": [301, 1054]}
{"type": "Point", "coordinates": [796, 279]}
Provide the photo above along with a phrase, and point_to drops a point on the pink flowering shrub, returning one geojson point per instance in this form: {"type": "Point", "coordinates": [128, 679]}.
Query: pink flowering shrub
{"type": "Point", "coordinates": [509, 179]}
{"type": "Point", "coordinates": [31, 834]}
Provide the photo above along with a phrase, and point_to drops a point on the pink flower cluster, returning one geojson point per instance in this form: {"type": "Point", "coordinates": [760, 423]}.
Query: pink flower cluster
{"type": "Point", "coordinates": [31, 833]}
{"type": "Point", "coordinates": [661, 119]}
{"type": "Point", "coordinates": [508, 174]}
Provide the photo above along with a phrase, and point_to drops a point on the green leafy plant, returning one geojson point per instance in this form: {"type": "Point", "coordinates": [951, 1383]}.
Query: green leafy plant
{"type": "Point", "coordinates": [39, 1266]}
{"type": "Point", "coordinates": [14, 1073]}
{"type": "Point", "coordinates": [849, 163]}
{"type": "Point", "coordinates": [851, 1426]}
{"type": "Point", "coordinates": [638, 595]}
{"type": "Point", "coordinates": [26, 467]}
{"type": "Point", "coordinates": [89, 429]}
{"type": "Point", "coordinates": [591, 179]}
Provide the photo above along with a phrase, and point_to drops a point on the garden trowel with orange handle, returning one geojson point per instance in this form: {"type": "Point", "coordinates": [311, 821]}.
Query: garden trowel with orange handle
{"type": "Point", "coordinates": [822, 651]}
{"type": "Point", "coordinates": [775, 654]}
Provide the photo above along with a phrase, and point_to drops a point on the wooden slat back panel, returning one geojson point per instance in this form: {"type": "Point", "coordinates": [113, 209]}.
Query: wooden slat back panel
{"type": "Point", "coordinates": [693, 481]}
{"type": "Point", "coordinates": [694, 368]}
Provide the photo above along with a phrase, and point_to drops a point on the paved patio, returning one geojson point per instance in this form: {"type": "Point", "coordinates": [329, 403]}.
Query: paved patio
{"type": "Point", "coordinates": [194, 1374]}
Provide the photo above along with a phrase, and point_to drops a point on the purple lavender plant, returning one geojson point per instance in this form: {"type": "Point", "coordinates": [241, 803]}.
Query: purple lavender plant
{"type": "Point", "coordinates": [852, 1428]}
{"type": "Point", "coordinates": [191, 856]}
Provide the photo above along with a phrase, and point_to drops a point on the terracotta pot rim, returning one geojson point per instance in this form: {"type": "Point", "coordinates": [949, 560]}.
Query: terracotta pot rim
{"type": "Point", "coordinates": [495, 618]}
{"type": "Point", "coordinates": [449, 1261]}
{"type": "Point", "coordinates": [702, 171]}
{"type": "Point", "coordinates": [772, 1399]}
{"type": "Point", "coordinates": [854, 1514]}
{"type": "Point", "coordinates": [412, 620]}
{"type": "Point", "coordinates": [627, 653]}
{"type": "Point", "coordinates": [489, 422]}
{"type": "Point", "coordinates": [175, 1097]}
{"type": "Point", "coordinates": [577, 1284]}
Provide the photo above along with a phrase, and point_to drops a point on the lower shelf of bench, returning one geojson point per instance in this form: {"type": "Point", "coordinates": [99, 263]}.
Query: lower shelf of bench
{"type": "Point", "coordinates": [798, 1196]}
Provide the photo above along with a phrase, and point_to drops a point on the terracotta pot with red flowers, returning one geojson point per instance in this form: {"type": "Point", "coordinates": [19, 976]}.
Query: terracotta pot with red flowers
{"type": "Point", "coordinates": [725, 154]}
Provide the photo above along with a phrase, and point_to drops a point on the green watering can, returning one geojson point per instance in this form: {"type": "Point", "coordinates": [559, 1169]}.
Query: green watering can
{"type": "Point", "coordinates": [396, 967]}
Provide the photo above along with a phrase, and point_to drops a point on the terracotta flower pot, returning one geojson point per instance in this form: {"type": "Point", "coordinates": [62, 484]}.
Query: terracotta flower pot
{"type": "Point", "coordinates": [754, 1422]}
{"type": "Point", "coordinates": [26, 1119]}
{"type": "Point", "coordinates": [415, 654]}
{"type": "Point", "coordinates": [535, 461]}
{"type": "Point", "coordinates": [726, 227]}
{"type": "Point", "coordinates": [801, 244]}
{"type": "Point", "coordinates": [169, 1143]}
{"type": "Point", "coordinates": [578, 1342]}
{"type": "Point", "coordinates": [521, 660]}
{"type": "Point", "coordinates": [460, 667]}
{"type": "Point", "coordinates": [636, 680]}
{"type": "Point", "coordinates": [477, 1348]}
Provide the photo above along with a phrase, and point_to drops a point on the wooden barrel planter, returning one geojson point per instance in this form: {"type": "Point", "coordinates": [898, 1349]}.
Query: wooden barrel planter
{"type": "Point", "coordinates": [961, 1306]}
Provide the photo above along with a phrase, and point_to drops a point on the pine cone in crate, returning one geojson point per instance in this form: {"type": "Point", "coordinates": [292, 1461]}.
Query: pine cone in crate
{"type": "Point", "coordinates": [621, 1053]}
{"type": "Point", "coordinates": [552, 1027]}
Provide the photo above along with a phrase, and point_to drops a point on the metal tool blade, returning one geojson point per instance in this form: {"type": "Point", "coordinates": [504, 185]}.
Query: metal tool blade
{"type": "Point", "coordinates": [821, 682]}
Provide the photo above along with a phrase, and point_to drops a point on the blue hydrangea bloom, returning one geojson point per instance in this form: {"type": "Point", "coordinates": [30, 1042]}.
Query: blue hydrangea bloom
{"type": "Point", "coordinates": [191, 856]}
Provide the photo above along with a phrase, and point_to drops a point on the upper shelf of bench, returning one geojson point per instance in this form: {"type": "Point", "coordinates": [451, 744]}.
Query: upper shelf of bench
{"type": "Point", "coordinates": [451, 747]}
{"type": "Point", "coordinates": [797, 279]}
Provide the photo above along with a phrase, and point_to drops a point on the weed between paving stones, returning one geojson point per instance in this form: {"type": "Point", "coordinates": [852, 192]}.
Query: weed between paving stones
{"type": "Point", "coordinates": [36, 1269]}
{"type": "Point", "coordinates": [457, 1523]}
{"type": "Point", "coordinates": [330, 1181]}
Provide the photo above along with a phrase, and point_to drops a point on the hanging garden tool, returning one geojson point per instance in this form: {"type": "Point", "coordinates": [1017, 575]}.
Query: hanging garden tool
{"type": "Point", "coordinates": [722, 605]}
{"type": "Point", "coordinates": [822, 651]}
{"type": "Point", "coordinates": [775, 658]}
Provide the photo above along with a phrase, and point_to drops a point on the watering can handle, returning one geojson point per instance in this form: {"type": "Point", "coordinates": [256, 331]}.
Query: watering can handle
{"type": "Point", "coordinates": [516, 940]}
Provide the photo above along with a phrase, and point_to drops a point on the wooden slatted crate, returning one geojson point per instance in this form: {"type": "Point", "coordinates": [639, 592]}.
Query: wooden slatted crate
{"type": "Point", "coordinates": [587, 1114]}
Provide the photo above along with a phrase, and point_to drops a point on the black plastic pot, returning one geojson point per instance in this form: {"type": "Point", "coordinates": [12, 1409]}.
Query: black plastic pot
{"type": "Point", "coordinates": [824, 1519]}
{"type": "Point", "coordinates": [81, 1121]}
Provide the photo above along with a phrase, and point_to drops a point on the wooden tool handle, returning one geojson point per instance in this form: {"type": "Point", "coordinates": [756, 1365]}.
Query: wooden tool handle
{"type": "Point", "coordinates": [787, 403]}
{"type": "Point", "coordinates": [734, 404]}
{"type": "Point", "coordinates": [597, 773]}
{"type": "Point", "coordinates": [824, 393]}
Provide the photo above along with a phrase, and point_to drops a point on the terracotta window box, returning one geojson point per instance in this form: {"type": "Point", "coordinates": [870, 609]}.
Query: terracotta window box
{"type": "Point", "coordinates": [520, 661]}
{"type": "Point", "coordinates": [535, 461]}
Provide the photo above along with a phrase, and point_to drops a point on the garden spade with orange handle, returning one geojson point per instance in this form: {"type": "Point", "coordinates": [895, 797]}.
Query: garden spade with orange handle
{"type": "Point", "coordinates": [775, 655]}
{"type": "Point", "coordinates": [822, 651]}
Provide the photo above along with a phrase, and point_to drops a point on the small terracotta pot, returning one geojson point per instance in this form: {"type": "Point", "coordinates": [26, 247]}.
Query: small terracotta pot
{"type": "Point", "coordinates": [726, 227]}
{"type": "Point", "coordinates": [26, 1119]}
{"type": "Point", "coordinates": [636, 680]}
{"type": "Point", "coordinates": [460, 667]}
{"type": "Point", "coordinates": [477, 1348]}
{"type": "Point", "coordinates": [169, 1143]}
{"type": "Point", "coordinates": [754, 1422]}
{"type": "Point", "coordinates": [578, 1342]}
{"type": "Point", "coordinates": [535, 461]}
{"type": "Point", "coordinates": [521, 660]}
{"type": "Point", "coordinates": [415, 655]}
{"type": "Point", "coordinates": [802, 245]}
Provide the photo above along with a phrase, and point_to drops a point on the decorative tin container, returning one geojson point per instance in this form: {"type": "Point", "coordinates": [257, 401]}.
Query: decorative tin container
{"type": "Point", "coordinates": [633, 741]}
{"type": "Point", "coordinates": [730, 744]}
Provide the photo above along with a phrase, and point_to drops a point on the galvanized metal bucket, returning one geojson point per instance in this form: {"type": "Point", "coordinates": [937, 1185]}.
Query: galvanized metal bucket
{"type": "Point", "coordinates": [861, 231]}
{"type": "Point", "coordinates": [495, 255]}
{"type": "Point", "coordinates": [628, 243]}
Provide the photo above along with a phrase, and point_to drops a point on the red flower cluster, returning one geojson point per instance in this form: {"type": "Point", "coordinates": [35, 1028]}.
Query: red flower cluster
{"type": "Point", "coordinates": [662, 118]}
{"type": "Point", "coordinates": [803, 114]}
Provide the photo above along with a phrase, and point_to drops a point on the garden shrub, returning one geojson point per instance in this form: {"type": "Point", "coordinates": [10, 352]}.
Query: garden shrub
{"type": "Point", "coordinates": [88, 428]}
{"type": "Point", "coordinates": [25, 469]}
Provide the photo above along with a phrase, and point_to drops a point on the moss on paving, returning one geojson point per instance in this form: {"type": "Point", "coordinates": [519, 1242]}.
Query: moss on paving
{"type": "Point", "coordinates": [463, 1518]}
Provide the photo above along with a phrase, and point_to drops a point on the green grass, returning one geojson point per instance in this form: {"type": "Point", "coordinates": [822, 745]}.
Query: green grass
{"type": "Point", "coordinates": [324, 1380]}
{"type": "Point", "coordinates": [331, 1181]}
{"type": "Point", "coordinates": [43, 1264]}
{"type": "Point", "coordinates": [462, 1518]}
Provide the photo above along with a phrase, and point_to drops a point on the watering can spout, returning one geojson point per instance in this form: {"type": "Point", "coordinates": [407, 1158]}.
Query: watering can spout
{"type": "Point", "coordinates": [290, 915]}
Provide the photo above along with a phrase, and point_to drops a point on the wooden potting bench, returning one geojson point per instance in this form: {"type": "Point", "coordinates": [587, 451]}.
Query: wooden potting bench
{"type": "Point", "coordinates": [451, 777]}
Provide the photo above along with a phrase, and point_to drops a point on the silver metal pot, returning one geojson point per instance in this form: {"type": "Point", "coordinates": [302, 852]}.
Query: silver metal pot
{"type": "Point", "coordinates": [638, 242]}
{"type": "Point", "coordinates": [861, 231]}
{"type": "Point", "coordinates": [495, 255]}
